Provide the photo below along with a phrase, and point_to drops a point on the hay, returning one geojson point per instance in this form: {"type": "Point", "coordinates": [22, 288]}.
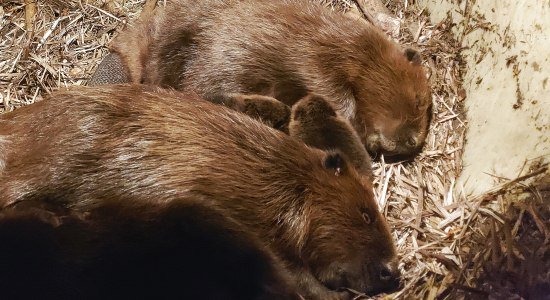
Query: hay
{"type": "Point", "coordinates": [450, 246]}
{"type": "Point", "coordinates": [60, 45]}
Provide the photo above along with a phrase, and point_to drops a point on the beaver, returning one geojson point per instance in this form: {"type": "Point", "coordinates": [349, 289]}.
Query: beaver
{"type": "Point", "coordinates": [316, 123]}
{"type": "Point", "coordinates": [309, 206]}
{"type": "Point", "coordinates": [285, 49]}
{"type": "Point", "coordinates": [135, 249]}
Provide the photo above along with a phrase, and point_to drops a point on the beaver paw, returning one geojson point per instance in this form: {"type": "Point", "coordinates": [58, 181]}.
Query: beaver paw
{"type": "Point", "coordinates": [268, 110]}
{"type": "Point", "coordinates": [271, 111]}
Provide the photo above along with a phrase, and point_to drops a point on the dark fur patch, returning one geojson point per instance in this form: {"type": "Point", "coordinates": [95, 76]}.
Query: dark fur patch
{"type": "Point", "coordinates": [413, 56]}
{"type": "Point", "coordinates": [124, 250]}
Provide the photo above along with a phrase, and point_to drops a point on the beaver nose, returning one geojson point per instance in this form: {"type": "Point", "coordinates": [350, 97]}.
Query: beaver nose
{"type": "Point", "coordinates": [389, 277]}
{"type": "Point", "coordinates": [412, 142]}
{"type": "Point", "coordinates": [386, 274]}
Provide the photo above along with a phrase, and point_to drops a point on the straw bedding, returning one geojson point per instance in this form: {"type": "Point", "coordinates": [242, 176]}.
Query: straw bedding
{"type": "Point", "coordinates": [491, 246]}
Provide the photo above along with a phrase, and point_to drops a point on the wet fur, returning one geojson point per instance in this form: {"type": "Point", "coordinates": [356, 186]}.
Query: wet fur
{"type": "Point", "coordinates": [286, 49]}
{"type": "Point", "coordinates": [308, 206]}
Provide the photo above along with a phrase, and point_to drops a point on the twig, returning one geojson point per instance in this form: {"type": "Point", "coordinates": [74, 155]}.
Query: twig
{"type": "Point", "coordinates": [382, 200]}
{"type": "Point", "coordinates": [30, 13]}
{"type": "Point", "coordinates": [536, 218]}
{"type": "Point", "coordinates": [149, 6]}
{"type": "Point", "coordinates": [420, 208]}
{"type": "Point", "coordinates": [419, 31]}
{"type": "Point", "coordinates": [504, 186]}
{"type": "Point", "coordinates": [48, 33]}
{"type": "Point", "coordinates": [509, 245]}
{"type": "Point", "coordinates": [104, 12]}
{"type": "Point", "coordinates": [363, 12]}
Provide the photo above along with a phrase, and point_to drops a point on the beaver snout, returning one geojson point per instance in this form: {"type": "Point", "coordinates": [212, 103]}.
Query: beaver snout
{"type": "Point", "coordinates": [371, 280]}
{"type": "Point", "coordinates": [389, 279]}
{"type": "Point", "coordinates": [412, 142]}
{"type": "Point", "coordinates": [377, 278]}
{"type": "Point", "coordinates": [394, 149]}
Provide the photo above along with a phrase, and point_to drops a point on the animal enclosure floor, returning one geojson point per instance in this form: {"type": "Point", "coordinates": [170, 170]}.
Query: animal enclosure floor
{"type": "Point", "coordinates": [446, 242]}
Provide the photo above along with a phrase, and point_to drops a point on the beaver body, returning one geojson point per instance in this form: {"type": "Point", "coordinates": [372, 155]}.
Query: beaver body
{"type": "Point", "coordinates": [285, 49]}
{"type": "Point", "coordinates": [310, 207]}
{"type": "Point", "coordinates": [135, 249]}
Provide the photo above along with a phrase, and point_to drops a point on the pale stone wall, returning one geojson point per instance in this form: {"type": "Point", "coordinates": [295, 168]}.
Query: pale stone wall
{"type": "Point", "coordinates": [507, 83]}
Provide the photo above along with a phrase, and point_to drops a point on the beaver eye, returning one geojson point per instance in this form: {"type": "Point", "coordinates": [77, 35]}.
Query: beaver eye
{"type": "Point", "coordinates": [366, 218]}
{"type": "Point", "coordinates": [418, 102]}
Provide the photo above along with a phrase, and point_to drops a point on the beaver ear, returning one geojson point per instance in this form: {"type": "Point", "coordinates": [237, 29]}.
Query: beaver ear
{"type": "Point", "coordinates": [335, 161]}
{"type": "Point", "coordinates": [312, 107]}
{"type": "Point", "coordinates": [320, 107]}
{"type": "Point", "coordinates": [413, 56]}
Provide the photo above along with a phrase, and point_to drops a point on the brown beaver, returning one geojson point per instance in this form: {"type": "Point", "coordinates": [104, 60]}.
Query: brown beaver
{"type": "Point", "coordinates": [310, 207]}
{"type": "Point", "coordinates": [135, 249]}
{"type": "Point", "coordinates": [285, 49]}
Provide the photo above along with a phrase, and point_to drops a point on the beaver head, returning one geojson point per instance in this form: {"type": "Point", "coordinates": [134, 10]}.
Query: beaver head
{"type": "Point", "coordinates": [348, 243]}
{"type": "Point", "coordinates": [395, 115]}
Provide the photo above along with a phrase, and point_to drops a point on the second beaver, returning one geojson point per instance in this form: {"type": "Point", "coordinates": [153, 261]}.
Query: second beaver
{"type": "Point", "coordinates": [310, 207]}
{"type": "Point", "coordinates": [285, 49]}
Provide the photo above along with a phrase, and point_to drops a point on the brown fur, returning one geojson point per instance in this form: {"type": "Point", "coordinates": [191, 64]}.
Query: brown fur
{"type": "Point", "coordinates": [285, 49]}
{"type": "Point", "coordinates": [268, 110]}
{"type": "Point", "coordinates": [315, 122]}
{"type": "Point", "coordinates": [135, 249]}
{"type": "Point", "coordinates": [308, 206]}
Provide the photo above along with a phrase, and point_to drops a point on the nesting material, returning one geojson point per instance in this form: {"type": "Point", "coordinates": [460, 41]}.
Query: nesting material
{"type": "Point", "coordinates": [60, 46]}
{"type": "Point", "coordinates": [450, 246]}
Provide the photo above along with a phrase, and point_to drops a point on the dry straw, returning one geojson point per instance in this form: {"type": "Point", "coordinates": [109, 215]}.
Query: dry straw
{"type": "Point", "coordinates": [450, 246]}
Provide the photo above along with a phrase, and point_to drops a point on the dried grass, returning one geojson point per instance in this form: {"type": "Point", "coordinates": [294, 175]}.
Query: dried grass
{"type": "Point", "coordinates": [60, 47]}
{"type": "Point", "coordinates": [446, 244]}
